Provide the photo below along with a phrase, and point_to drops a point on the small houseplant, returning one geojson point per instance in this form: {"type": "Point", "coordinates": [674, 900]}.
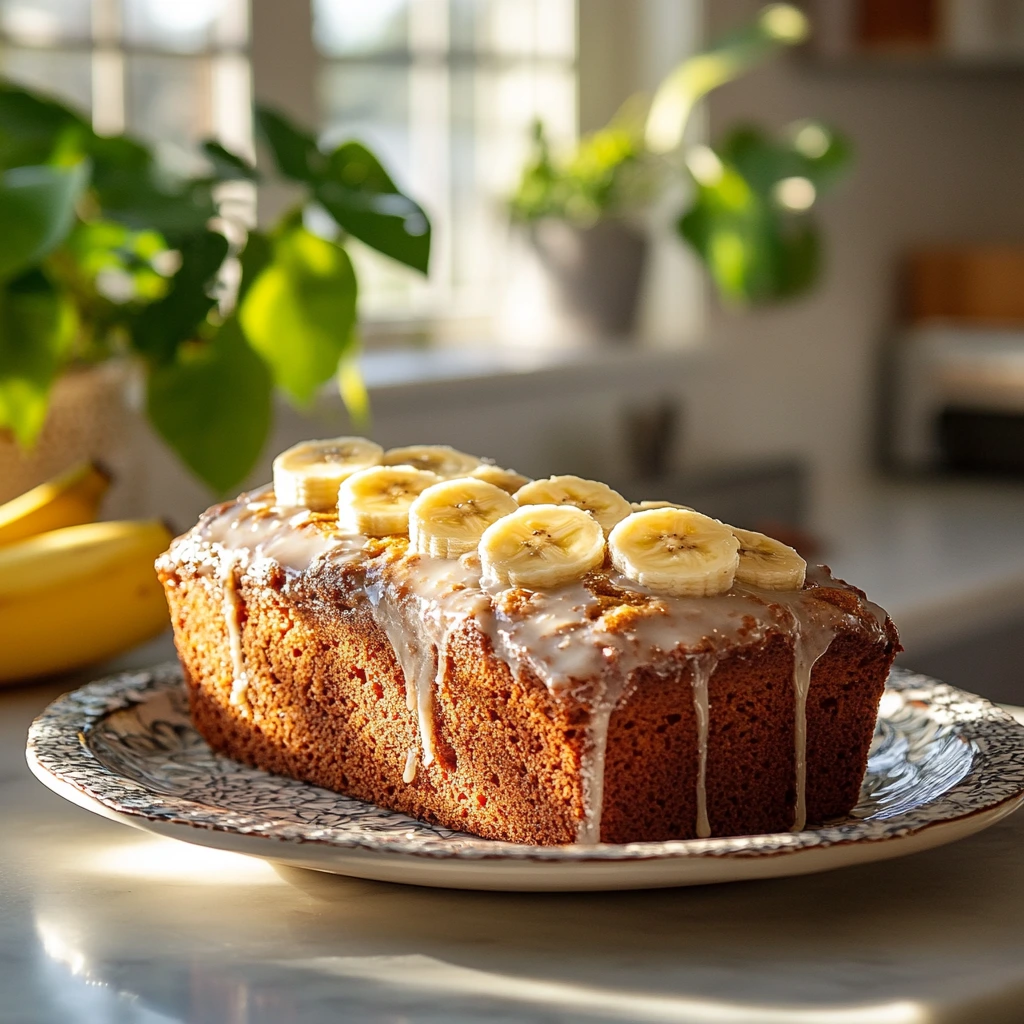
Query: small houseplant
{"type": "Point", "coordinates": [106, 255]}
{"type": "Point", "coordinates": [744, 205]}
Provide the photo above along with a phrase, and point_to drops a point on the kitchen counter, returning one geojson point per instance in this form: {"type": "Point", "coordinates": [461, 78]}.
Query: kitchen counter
{"type": "Point", "coordinates": [945, 558]}
{"type": "Point", "coordinates": [100, 923]}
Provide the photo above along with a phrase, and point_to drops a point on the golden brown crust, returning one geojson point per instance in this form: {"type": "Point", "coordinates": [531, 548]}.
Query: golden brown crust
{"type": "Point", "coordinates": [326, 702]}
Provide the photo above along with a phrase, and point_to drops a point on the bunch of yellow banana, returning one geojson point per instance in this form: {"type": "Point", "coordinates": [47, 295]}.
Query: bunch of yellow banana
{"type": "Point", "coordinates": [74, 591]}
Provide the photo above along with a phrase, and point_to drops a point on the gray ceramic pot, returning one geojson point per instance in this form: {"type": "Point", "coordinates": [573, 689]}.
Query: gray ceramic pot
{"type": "Point", "coordinates": [597, 272]}
{"type": "Point", "coordinates": [584, 285]}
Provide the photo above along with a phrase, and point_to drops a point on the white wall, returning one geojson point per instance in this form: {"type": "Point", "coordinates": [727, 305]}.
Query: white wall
{"type": "Point", "coordinates": [940, 157]}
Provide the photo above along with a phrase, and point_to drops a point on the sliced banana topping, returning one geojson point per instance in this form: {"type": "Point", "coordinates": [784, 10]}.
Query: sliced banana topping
{"type": "Point", "coordinates": [540, 546]}
{"type": "Point", "coordinates": [376, 501]}
{"type": "Point", "coordinates": [310, 473]}
{"type": "Point", "coordinates": [507, 479]}
{"type": "Point", "coordinates": [448, 518]}
{"type": "Point", "coordinates": [434, 458]}
{"type": "Point", "coordinates": [675, 551]}
{"type": "Point", "coordinates": [768, 563]}
{"type": "Point", "coordinates": [608, 507]}
{"type": "Point", "coordinates": [643, 506]}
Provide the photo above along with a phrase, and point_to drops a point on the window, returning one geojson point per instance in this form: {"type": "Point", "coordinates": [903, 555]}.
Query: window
{"type": "Point", "coordinates": [446, 90]}
{"type": "Point", "coordinates": [171, 70]}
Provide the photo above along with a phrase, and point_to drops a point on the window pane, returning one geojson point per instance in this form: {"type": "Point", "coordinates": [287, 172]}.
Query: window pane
{"type": "Point", "coordinates": [492, 110]}
{"type": "Point", "coordinates": [65, 75]}
{"type": "Point", "coordinates": [536, 28]}
{"type": "Point", "coordinates": [447, 91]}
{"type": "Point", "coordinates": [45, 22]}
{"type": "Point", "coordinates": [185, 26]}
{"type": "Point", "coordinates": [167, 99]}
{"type": "Point", "coordinates": [370, 103]}
{"type": "Point", "coordinates": [342, 27]}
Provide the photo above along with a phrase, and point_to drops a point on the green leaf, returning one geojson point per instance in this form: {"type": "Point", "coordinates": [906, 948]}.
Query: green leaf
{"type": "Point", "coordinates": [777, 25]}
{"type": "Point", "coordinates": [37, 207]}
{"type": "Point", "coordinates": [754, 251]}
{"type": "Point", "coordinates": [258, 252]}
{"type": "Point", "coordinates": [227, 166]}
{"type": "Point", "coordinates": [177, 317]}
{"type": "Point", "coordinates": [751, 220]}
{"type": "Point", "coordinates": [353, 166]}
{"type": "Point", "coordinates": [807, 150]}
{"type": "Point", "coordinates": [36, 331]}
{"type": "Point", "coordinates": [390, 223]}
{"type": "Point", "coordinates": [33, 127]}
{"type": "Point", "coordinates": [295, 151]}
{"type": "Point", "coordinates": [299, 313]}
{"type": "Point", "coordinates": [352, 388]}
{"type": "Point", "coordinates": [360, 195]}
{"type": "Point", "coordinates": [212, 405]}
{"type": "Point", "coordinates": [132, 190]}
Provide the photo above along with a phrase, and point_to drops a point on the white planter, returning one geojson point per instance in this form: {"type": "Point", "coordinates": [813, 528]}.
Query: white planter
{"type": "Point", "coordinates": [91, 416]}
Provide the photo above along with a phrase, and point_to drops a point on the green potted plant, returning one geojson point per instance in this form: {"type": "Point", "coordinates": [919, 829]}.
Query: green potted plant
{"type": "Point", "coordinates": [746, 203]}
{"type": "Point", "coordinates": [110, 260]}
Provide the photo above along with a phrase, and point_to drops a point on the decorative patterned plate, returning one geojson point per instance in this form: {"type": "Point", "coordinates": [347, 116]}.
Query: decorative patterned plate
{"type": "Point", "coordinates": [944, 764]}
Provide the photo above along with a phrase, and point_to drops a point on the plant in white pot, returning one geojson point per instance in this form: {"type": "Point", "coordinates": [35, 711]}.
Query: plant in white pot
{"type": "Point", "coordinates": [112, 264]}
{"type": "Point", "coordinates": [746, 205]}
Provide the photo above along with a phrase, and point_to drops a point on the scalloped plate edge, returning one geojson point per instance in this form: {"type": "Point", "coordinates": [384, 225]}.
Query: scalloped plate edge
{"type": "Point", "coordinates": [501, 874]}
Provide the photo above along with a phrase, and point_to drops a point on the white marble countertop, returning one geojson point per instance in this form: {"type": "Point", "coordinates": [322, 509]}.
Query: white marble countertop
{"type": "Point", "coordinates": [101, 923]}
{"type": "Point", "coordinates": [944, 558]}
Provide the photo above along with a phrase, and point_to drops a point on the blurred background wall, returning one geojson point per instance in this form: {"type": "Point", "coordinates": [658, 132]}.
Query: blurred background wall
{"type": "Point", "coordinates": [939, 158]}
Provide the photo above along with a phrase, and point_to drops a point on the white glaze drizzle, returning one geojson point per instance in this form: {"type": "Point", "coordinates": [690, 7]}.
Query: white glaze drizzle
{"type": "Point", "coordinates": [701, 669]}
{"type": "Point", "coordinates": [409, 775]}
{"type": "Point", "coordinates": [560, 636]}
{"type": "Point", "coordinates": [232, 619]}
{"type": "Point", "coordinates": [418, 603]}
{"type": "Point", "coordinates": [811, 641]}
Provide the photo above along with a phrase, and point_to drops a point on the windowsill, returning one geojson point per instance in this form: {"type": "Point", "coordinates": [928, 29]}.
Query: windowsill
{"type": "Point", "coordinates": [402, 374]}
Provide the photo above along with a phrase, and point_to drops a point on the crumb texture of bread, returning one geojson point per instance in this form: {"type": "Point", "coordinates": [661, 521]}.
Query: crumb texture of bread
{"type": "Point", "coordinates": [324, 698]}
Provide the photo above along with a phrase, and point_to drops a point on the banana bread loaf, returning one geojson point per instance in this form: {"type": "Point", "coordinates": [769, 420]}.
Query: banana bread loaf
{"type": "Point", "coordinates": [624, 697]}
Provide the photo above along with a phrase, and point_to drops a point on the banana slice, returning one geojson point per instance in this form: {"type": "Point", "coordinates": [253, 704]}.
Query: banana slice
{"type": "Point", "coordinates": [434, 458]}
{"type": "Point", "coordinates": [675, 551]}
{"type": "Point", "coordinates": [376, 501]}
{"type": "Point", "coordinates": [768, 563]}
{"type": "Point", "coordinates": [448, 519]}
{"type": "Point", "coordinates": [540, 546]}
{"type": "Point", "coordinates": [507, 479]}
{"type": "Point", "coordinates": [608, 507]}
{"type": "Point", "coordinates": [643, 506]}
{"type": "Point", "coordinates": [310, 473]}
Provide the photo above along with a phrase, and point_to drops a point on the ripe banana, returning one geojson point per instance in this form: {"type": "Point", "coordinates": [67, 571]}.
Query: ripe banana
{"type": "Point", "coordinates": [607, 506]}
{"type": "Point", "coordinates": [768, 563]}
{"type": "Point", "coordinates": [643, 506]}
{"type": "Point", "coordinates": [77, 595]}
{"type": "Point", "coordinates": [66, 500]}
{"type": "Point", "coordinates": [309, 474]}
{"type": "Point", "coordinates": [434, 458]}
{"type": "Point", "coordinates": [376, 501]}
{"type": "Point", "coordinates": [540, 546]}
{"type": "Point", "coordinates": [675, 551]}
{"type": "Point", "coordinates": [507, 479]}
{"type": "Point", "coordinates": [448, 519]}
